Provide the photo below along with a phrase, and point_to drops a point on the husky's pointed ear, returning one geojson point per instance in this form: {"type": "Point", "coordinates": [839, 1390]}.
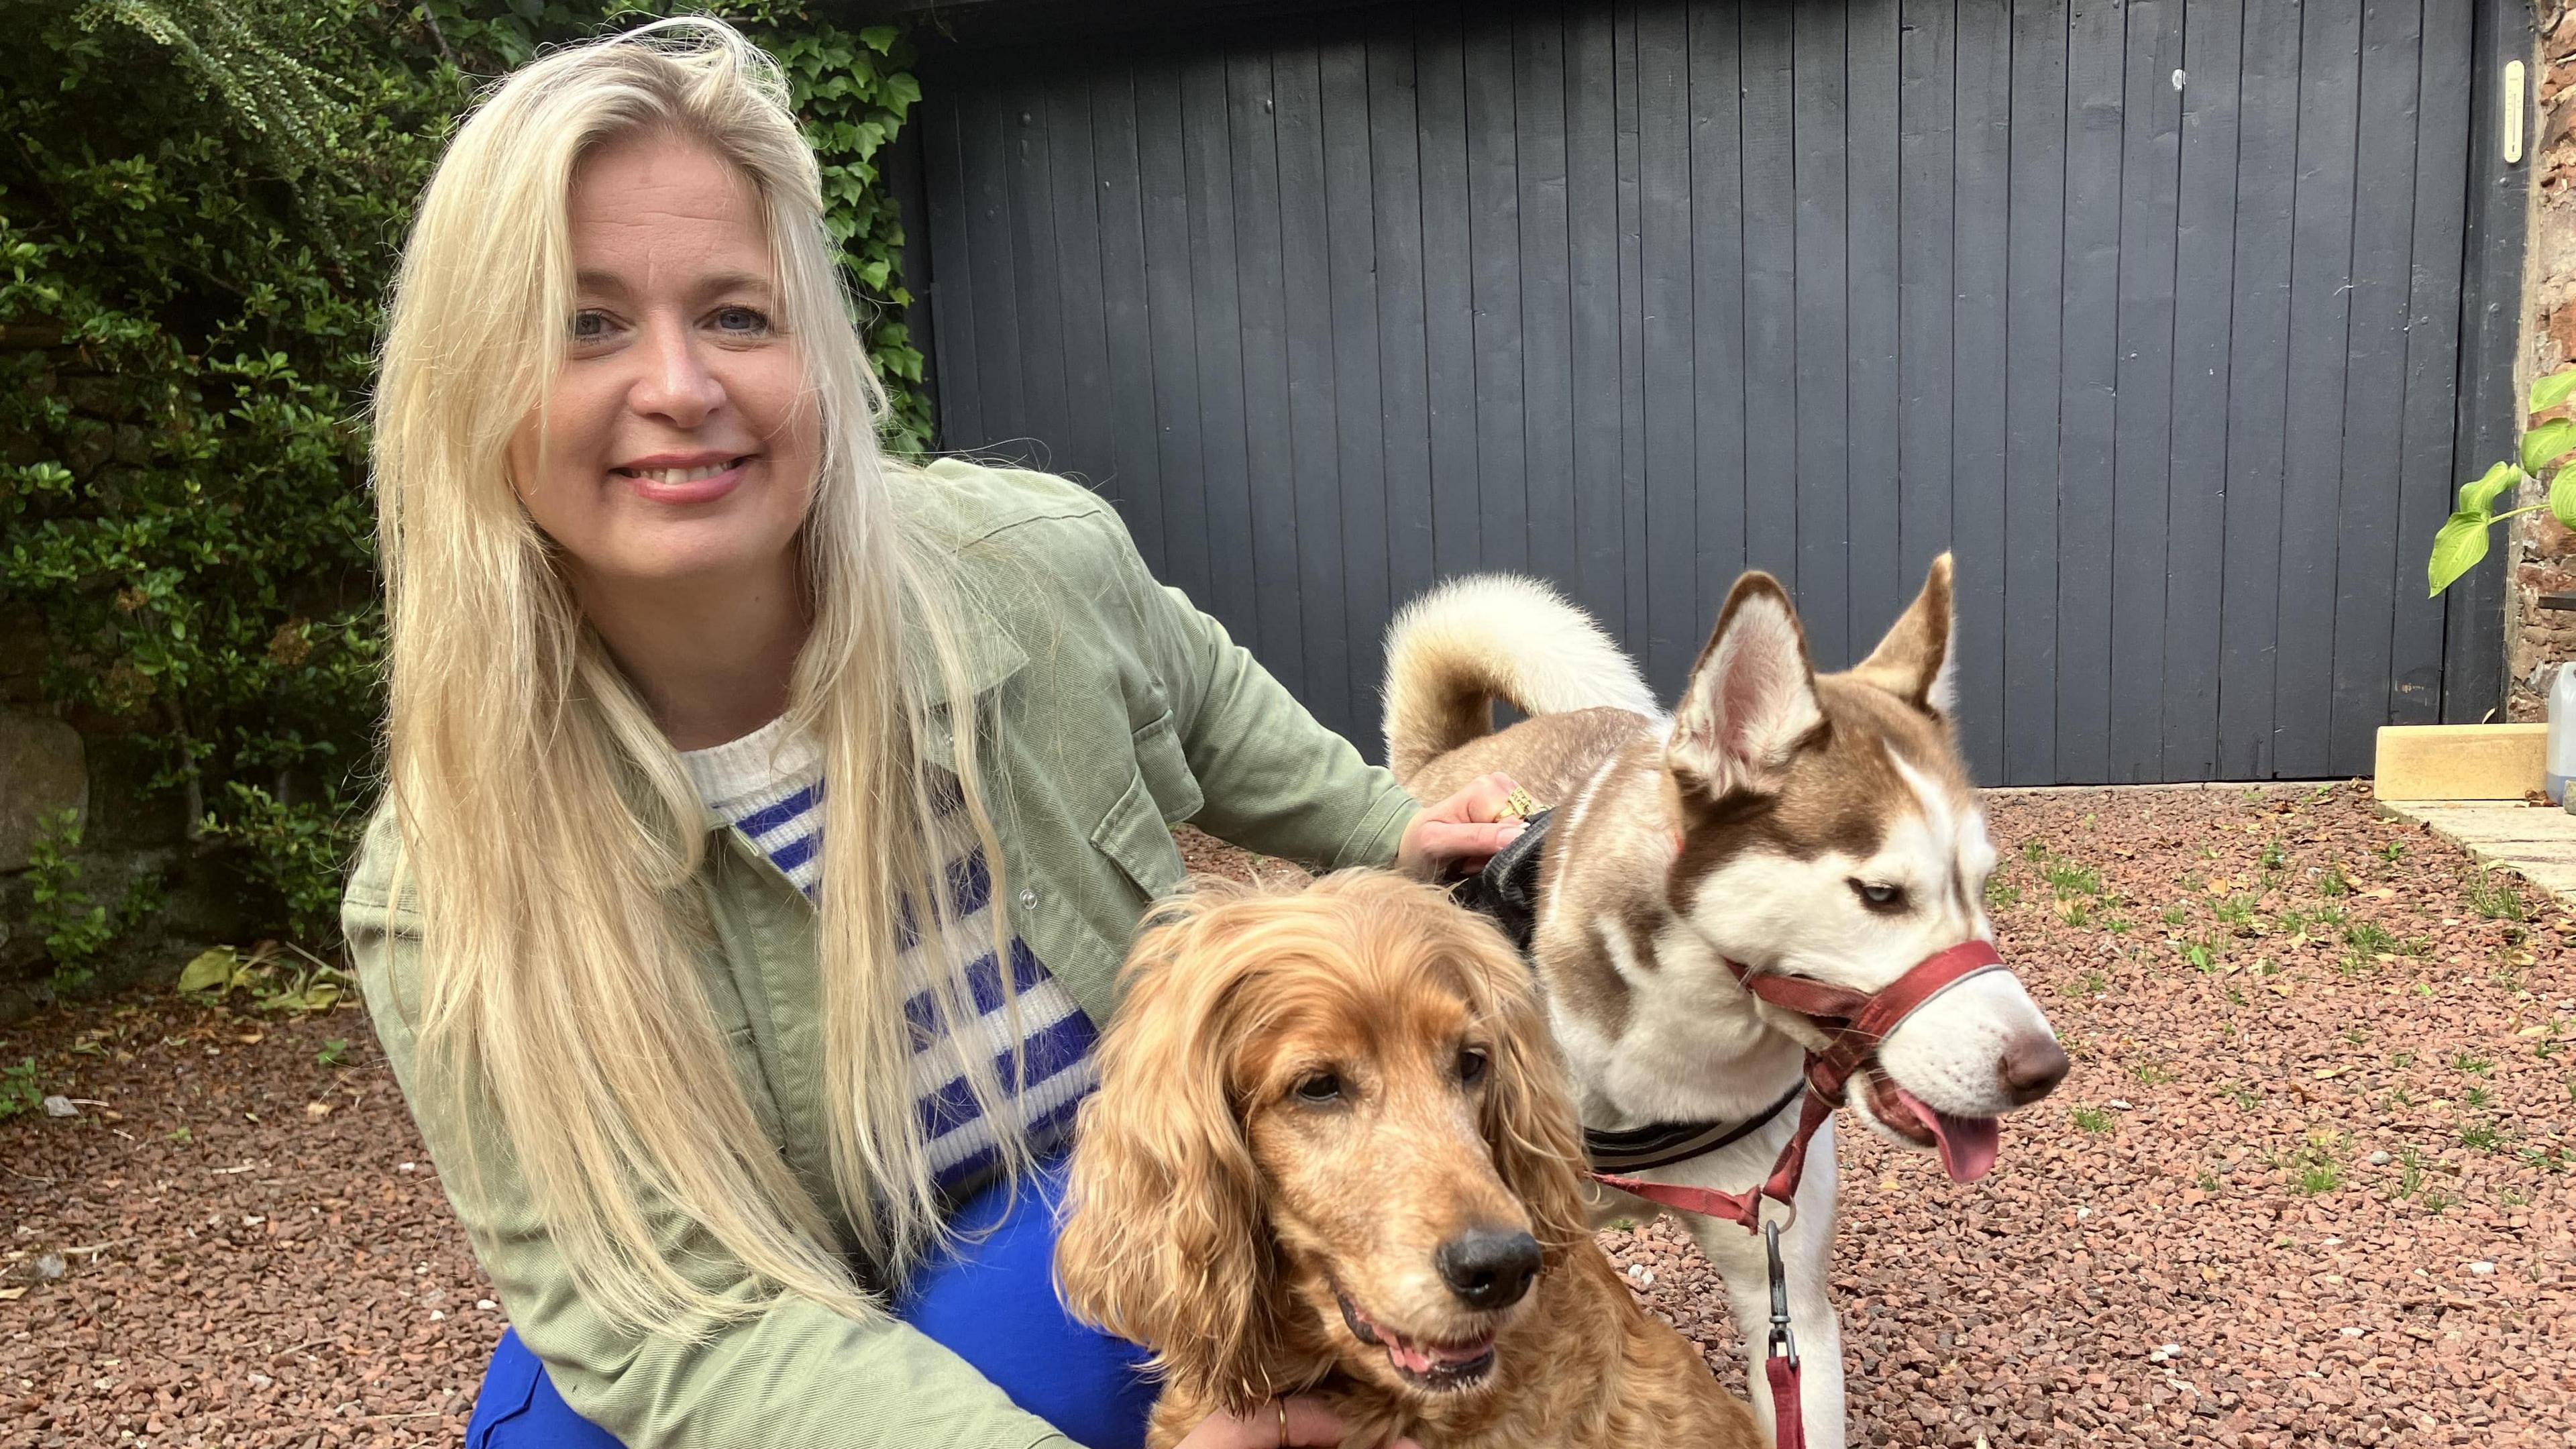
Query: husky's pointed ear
{"type": "Point", "coordinates": [1752, 696]}
{"type": "Point", "coordinates": [1918, 661]}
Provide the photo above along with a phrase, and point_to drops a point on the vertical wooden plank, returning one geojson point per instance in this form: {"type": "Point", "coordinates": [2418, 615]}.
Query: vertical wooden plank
{"type": "Point", "coordinates": [1035, 269]}
{"type": "Point", "coordinates": [1493, 250]}
{"type": "Point", "coordinates": [1628, 198]}
{"type": "Point", "coordinates": [2374, 419]}
{"type": "Point", "coordinates": [1873, 142]}
{"type": "Point", "coordinates": [1675, 628]}
{"type": "Point", "coordinates": [2205, 281]}
{"type": "Point", "coordinates": [1770, 295]}
{"type": "Point", "coordinates": [1126, 336]}
{"type": "Point", "coordinates": [1208, 156]}
{"type": "Point", "coordinates": [1927, 214]}
{"type": "Point", "coordinates": [1981, 102]}
{"type": "Point", "coordinates": [2034, 264]}
{"type": "Point", "coordinates": [1359, 456]}
{"type": "Point", "coordinates": [2087, 405]}
{"type": "Point", "coordinates": [1404, 365]}
{"type": "Point", "coordinates": [2142, 438]}
{"type": "Point", "coordinates": [2491, 402]}
{"type": "Point", "coordinates": [1259, 290]}
{"type": "Point", "coordinates": [1090, 409]}
{"type": "Point", "coordinates": [1449, 322]}
{"type": "Point", "coordinates": [1824, 399]}
{"type": "Point", "coordinates": [1171, 329]}
{"type": "Point", "coordinates": [1314, 436]}
{"type": "Point", "coordinates": [984, 155]}
{"type": "Point", "coordinates": [2432, 355]}
{"type": "Point", "coordinates": [952, 270]}
{"type": "Point", "coordinates": [2266, 188]}
{"type": "Point", "coordinates": [1546, 308]}
{"type": "Point", "coordinates": [1600, 580]}
{"type": "Point", "coordinates": [2320, 313]}
{"type": "Point", "coordinates": [1717, 300]}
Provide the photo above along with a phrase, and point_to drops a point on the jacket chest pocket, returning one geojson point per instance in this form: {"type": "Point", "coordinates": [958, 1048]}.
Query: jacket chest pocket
{"type": "Point", "coordinates": [1136, 833]}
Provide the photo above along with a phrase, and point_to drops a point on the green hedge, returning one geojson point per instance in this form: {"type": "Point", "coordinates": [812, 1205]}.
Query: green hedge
{"type": "Point", "coordinates": [200, 206]}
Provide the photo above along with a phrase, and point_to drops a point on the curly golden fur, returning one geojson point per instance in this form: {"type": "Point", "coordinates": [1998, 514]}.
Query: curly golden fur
{"type": "Point", "coordinates": [1306, 1098]}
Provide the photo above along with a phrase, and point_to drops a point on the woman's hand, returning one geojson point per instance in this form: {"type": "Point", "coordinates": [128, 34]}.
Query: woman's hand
{"type": "Point", "coordinates": [1297, 1420]}
{"type": "Point", "coordinates": [1460, 833]}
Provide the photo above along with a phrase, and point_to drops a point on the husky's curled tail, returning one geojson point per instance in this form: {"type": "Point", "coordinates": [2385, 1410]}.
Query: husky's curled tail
{"type": "Point", "coordinates": [1454, 651]}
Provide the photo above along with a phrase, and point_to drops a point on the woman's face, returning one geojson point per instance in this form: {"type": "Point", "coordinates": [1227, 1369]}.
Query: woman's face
{"type": "Point", "coordinates": [678, 443]}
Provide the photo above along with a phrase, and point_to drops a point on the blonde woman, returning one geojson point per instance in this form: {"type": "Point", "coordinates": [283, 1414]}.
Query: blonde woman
{"type": "Point", "coordinates": [766, 820]}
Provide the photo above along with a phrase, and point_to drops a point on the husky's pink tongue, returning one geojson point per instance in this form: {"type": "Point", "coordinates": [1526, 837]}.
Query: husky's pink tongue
{"type": "Point", "coordinates": [1967, 1143]}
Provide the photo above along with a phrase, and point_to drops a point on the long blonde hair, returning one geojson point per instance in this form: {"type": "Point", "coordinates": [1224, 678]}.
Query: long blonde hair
{"type": "Point", "coordinates": [548, 825]}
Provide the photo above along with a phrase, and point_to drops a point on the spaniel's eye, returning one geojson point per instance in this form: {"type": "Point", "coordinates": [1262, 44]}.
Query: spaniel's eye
{"type": "Point", "coordinates": [1886, 898]}
{"type": "Point", "coordinates": [1471, 1065]}
{"type": "Point", "coordinates": [1318, 1089]}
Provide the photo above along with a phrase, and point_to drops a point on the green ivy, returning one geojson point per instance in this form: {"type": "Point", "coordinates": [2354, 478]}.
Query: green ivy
{"type": "Point", "coordinates": [200, 207]}
{"type": "Point", "coordinates": [2546, 451]}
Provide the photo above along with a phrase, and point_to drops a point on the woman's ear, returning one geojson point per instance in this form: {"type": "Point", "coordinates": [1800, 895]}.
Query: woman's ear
{"type": "Point", "coordinates": [1530, 1118]}
{"type": "Point", "coordinates": [1164, 1241]}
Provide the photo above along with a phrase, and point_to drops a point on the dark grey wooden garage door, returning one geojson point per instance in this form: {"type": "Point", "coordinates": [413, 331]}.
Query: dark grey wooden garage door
{"type": "Point", "coordinates": [2152, 311]}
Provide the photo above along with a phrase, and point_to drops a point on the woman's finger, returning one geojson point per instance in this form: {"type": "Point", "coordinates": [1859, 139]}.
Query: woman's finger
{"type": "Point", "coordinates": [1310, 1423]}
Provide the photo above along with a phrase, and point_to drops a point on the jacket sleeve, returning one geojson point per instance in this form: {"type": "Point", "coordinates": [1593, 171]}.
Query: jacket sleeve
{"type": "Point", "coordinates": [1275, 780]}
{"type": "Point", "coordinates": [793, 1374]}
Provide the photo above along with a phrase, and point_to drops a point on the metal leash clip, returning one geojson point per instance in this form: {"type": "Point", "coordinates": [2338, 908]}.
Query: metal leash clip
{"type": "Point", "coordinates": [1783, 1342]}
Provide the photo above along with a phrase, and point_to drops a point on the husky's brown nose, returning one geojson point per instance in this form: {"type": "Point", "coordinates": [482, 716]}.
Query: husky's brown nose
{"type": "Point", "coordinates": [2031, 1068]}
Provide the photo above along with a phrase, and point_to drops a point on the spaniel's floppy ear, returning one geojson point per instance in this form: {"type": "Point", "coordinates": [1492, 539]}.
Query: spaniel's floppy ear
{"type": "Point", "coordinates": [1530, 1118]}
{"type": "Point", "coordinates": [1164, 1241]}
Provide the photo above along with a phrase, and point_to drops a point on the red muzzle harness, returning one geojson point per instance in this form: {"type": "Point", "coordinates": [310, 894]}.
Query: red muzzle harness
{"type": "Point", "coordinates": [1853, 1024]}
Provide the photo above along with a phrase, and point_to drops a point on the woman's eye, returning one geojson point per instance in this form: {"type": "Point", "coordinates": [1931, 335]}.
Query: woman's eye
{"type": "Point", "coordinates": [1879, 897]}
{"type": "Point", "coordinates": [1320, 1088]}
{"type": "Point", "coordinates": [1471, 1065]}
{"type": "Point", "coordinates": [589, 326]}
{"type": "Point", "coordinates": [744, 321]}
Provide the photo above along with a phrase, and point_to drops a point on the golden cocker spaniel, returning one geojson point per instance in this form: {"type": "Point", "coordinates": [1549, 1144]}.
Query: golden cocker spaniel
{"type": "Point", "coordinates": [1333, 1153]}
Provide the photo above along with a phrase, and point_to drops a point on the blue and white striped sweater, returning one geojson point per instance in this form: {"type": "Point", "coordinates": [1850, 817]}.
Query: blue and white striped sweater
{"type": "Point", "coordinates": [771, 787]}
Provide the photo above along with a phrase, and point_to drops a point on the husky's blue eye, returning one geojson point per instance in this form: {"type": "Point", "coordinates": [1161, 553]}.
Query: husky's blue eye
{"type": "Point", "coordinates": [1879, 897]}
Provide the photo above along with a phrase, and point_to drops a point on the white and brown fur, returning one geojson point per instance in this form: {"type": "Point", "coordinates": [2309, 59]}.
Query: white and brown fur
{"type": "Point", "coordinates": [1742, 826]}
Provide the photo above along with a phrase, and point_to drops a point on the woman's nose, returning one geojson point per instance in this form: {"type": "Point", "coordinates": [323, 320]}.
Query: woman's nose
{"type": "Point", "coordinates": [675, 384]}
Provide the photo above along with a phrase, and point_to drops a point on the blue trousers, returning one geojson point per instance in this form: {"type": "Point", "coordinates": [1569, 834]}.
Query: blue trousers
{"type": "Point", "coordinates": [993, 1304]}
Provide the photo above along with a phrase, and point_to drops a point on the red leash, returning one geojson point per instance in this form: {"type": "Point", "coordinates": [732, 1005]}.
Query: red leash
{"type": "Point", "coordinates": [1854, 1023]}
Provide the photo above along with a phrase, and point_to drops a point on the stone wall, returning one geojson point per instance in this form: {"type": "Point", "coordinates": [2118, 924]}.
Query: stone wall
{"type": "Point", "coordinates": [2542, 555]}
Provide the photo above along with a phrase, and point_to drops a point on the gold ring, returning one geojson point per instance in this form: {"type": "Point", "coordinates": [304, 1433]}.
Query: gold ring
{"type": "Point", "coordinates": [1517, 805]}
{"type": "Point", "coordinates": [1282, 1402]}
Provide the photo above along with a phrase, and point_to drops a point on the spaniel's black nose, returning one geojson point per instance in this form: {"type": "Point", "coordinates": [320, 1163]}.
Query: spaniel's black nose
{"type": "Point", "coordinates": [1489, 1268]}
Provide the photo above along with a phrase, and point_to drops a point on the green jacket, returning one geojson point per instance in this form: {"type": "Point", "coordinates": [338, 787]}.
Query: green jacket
{"type": "Point", "coordinates": [1120, 710]}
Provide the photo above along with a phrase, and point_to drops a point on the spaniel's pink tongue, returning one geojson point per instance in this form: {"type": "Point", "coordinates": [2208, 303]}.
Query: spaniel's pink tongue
{"type": "Point", "coordinates": [1967, 1143]}
{"type": "Point", "coordinates": [1424, 1360]}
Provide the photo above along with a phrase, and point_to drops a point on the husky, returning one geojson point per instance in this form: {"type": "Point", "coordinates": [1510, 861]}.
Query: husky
{"type": "Point", "coordinates": [1777, 823]}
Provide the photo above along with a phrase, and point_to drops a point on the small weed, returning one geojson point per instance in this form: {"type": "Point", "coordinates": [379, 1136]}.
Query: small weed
{"type": "Point", "coordinates": [2033, 850]}
{"type": "Point", "coordinates": [2195, 882]}
{"type": "Point", "coordinates": [1623, 1225]}
{"type": "Point", "coordinates": [335, 1052]}
{"type": "Point", "coordinates": [2091, 983]}
{"type": "Point", "coordinates": [2369, 938]}
{"type": "Point", "coordinates": [2351, 967]}
{"type": "Point", "coordinates": [2235, 912]}
{"type": "Point", "coordinates": [2070, 879]}
{"type": "Point", "coordinates": [2315, 1164]}
{"type": "Point", "coordinates": [2492, 896]}
{"type": "Point", "coordinates": [2317, 1177]}
{"type": "Point", "coordinates": [2275, 856]}
{"type": "Point", "coordinates": [2001, 893]}
{"type": "Point", "coordinates": [2176, 915]}
{"type": "Point", "coordinates": [2434, 1202]}
{"type": "Point", "coordinates": [2548, 1159]}
{"type": "Point", "coordinates": [2331, 917]}
{"type": "Point", "coordinates": [2290, 920]}
{"type": "Point", "coordinates": [2245, 1097]}
{"type": "Point", "coordinates": [2092, 1119]}
{"type": "Point", "coordinates": [2202, 955]}
{"type": "Point", "coordinates": [2116, 925]}
{"type": "Point", "coordinates": [2410, 1173]}
{"type": "Point", "coordinates": [2207, 1181]}
{"type": "Point", "coordinates": [2235, 997]}
{"type": "Point", "coordinates": [2331, 881]}
{"type": "Point", "coordinates": [182, 1136]}
{"type": "Point", "coordinates": [2355, 1036]}
{"type": "Point", "coordinates": [2400, 1097]}
{"type": "Point", "coordinates": [2481, 1137]}
{"type": "Point", "coordinates": [2475, 1097]}
{"type": "Point", "coordinates": [2415, 946]}
{"type": "Point", "coordinates": [2075, 911]}
{"type": "Point", "coordinates": [2474, 1065]}
{"type": "Point", "coordinates": [2151, 1074]}
{"type": "Point", "coordinates": [2401, 1060]}
{"type": "Point", "coordinates": [2393, 852]}
{"type": "Point", "coordinates": [2319, 795]}
{"type": "Point", "coordinates": [18, 1089]}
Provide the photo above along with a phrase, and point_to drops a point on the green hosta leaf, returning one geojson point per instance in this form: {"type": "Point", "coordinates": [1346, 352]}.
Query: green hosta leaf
{"type": "Point", "coordinates": [2498, 482]}
{"type": "Point", "coordinates": [2546, 442]}
{"type": "Point", "coordinates": [2562, 497]}
{"type": "Point", "coordinates": [2552, 390]}
{"type": "Point", "coordinates": [2456, 549]}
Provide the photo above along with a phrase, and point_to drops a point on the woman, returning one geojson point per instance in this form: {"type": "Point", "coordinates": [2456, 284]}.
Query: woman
{"type": "Point", "coordinates": [705, 1072]}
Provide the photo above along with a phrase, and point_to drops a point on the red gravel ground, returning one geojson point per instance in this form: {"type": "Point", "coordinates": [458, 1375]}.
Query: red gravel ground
{"type": "Point", "coordinates": [2189, 1244]}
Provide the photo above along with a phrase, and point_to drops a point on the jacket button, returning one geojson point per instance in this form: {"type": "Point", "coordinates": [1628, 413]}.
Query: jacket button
{"type": "Point", "coordinates": [1028, 898]}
